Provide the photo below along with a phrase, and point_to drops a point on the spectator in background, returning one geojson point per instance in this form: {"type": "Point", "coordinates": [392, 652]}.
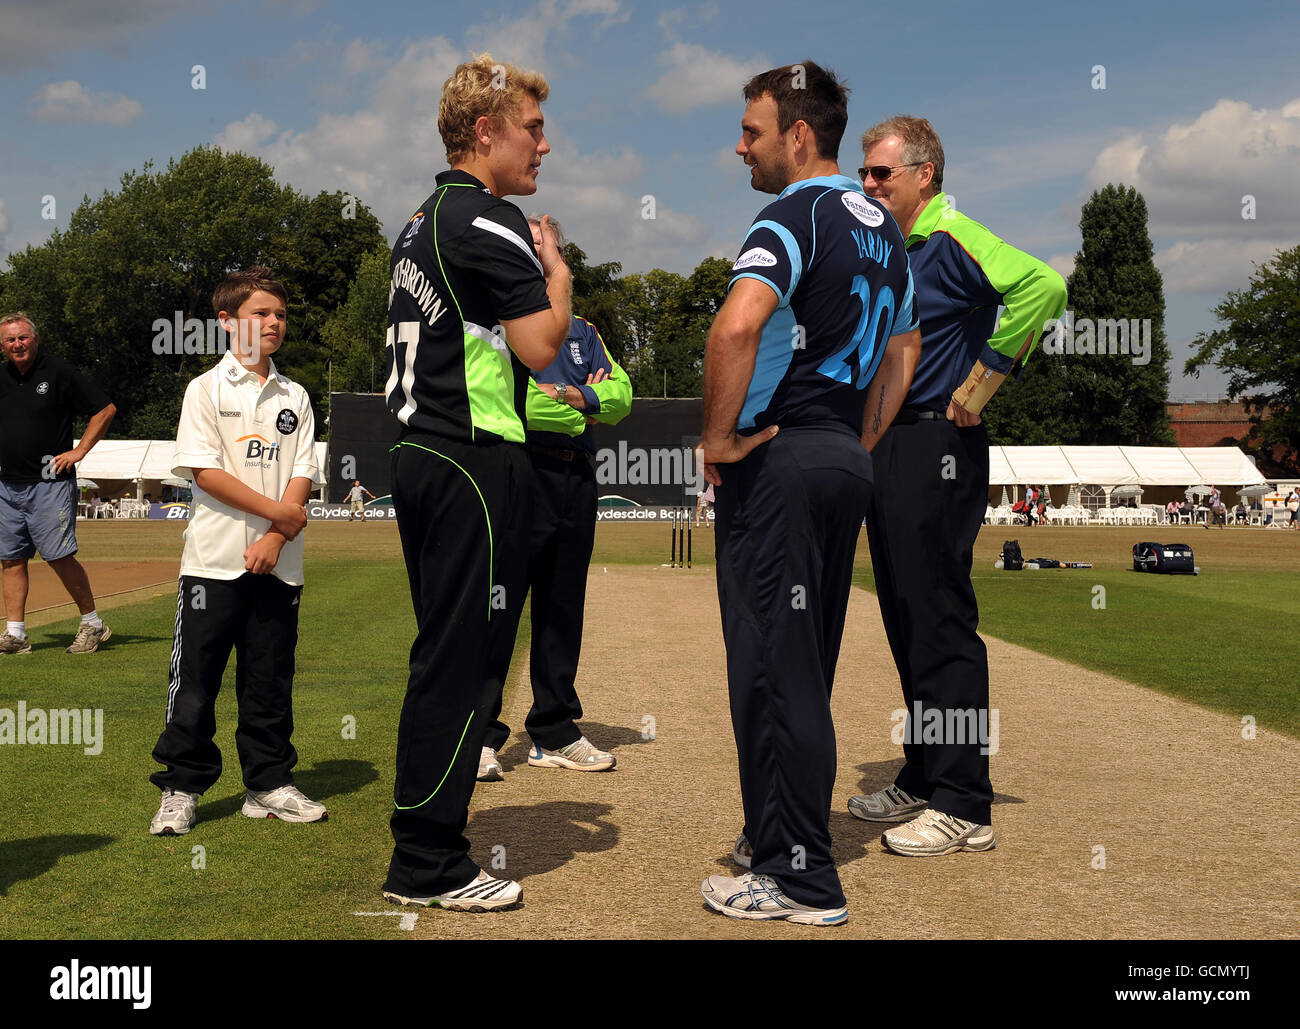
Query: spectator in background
{"type": "Point", "coordinates": [1218, 511]}
{"type": "Point", "coordinates": [1293, 505]}
{"type": "Point", "coordinates": [1171, 512]}
{"type": "Point", "coordinates": [40, 395]}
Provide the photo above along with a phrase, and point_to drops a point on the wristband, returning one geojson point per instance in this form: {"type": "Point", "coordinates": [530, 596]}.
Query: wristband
{"type": "Point", "coordinates": [978, 388]}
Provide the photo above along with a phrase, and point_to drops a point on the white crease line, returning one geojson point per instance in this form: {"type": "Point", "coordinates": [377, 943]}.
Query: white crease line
{"type": "Point", "coordinates": [408, 918]}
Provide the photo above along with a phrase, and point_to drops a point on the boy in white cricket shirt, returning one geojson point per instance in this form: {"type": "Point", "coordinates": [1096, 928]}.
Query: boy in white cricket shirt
{"type": "Point", "coordinates": [246, 439]}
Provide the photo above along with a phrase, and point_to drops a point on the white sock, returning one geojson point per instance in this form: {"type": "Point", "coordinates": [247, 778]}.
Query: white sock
{"type": "Point", "coordinates": [18, 630]}
{"type": "Point", "coordinates": [92, 619]}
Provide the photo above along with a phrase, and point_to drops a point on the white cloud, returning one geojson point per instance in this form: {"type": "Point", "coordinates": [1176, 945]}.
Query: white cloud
{"type": "Point", "coordinates": [673, 20]}
{"type": "Point", "coordinates": [611, 9]}
{"type": "Point", "coordinates": [1214, 265]}
{"type": "Point", "coordinates": [72, 102]}
{"type": "Point", "coordinates": [602, 207]}
{"type": "Point", "coordinates": [4, 220]}
{"type": "Point", "coordinates": [388, 151]}
{"type": "Point", "coordinates": [1063, 263]}
{"type": "Point", "coordinates": [360, 56]}
{"type": "Point", "coordinates": [1196, 175]}
{"type": "Point", "coordinates": [727, 161]}
{"type": "Point", "coordinates": [698, 77]}
{"type": "Point", "coordinates": [991, 170]}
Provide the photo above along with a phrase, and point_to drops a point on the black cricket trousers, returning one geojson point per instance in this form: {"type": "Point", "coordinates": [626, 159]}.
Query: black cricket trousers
{"type": "Point", "coordinates": [462, 511]}
{"type": "Point", "coordinates": [789, 515]}
{"type": "Point", "coordinates": [931, 490]}
{"type": "Point", "coordinates": [257, 616]}
{"type": "Point", "coordinates": [562, 534]}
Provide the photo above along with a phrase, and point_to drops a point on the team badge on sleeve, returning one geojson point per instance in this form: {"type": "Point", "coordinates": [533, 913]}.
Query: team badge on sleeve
{"type": "Point", "coordinates": [755, 257]}
{"type": "Point", "coordinates": [287, 422]}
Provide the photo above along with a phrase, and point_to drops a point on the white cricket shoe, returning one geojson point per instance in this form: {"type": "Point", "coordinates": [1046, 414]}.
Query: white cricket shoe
{"type": "Point", "coordinates": [286, 803]}
{"type": "Point", "coordinates": [489, 766]}
{"type": "Point", "coordinates": [933, 833]}
{"type": "Point", "coordinates": [480, 894]}
{"type": "Point", "coordinates": [888, 805]}
{"type": "Point", "coordinates": [175, 815]}
{"type": "Point", "coordinates": [580, 756]}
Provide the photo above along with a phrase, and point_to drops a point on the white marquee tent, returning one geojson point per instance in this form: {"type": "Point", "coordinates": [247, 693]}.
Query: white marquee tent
{"type": "Point", "coordinates": [140, 462]}
{"type": "Point", "coordinates": [1121, 466]}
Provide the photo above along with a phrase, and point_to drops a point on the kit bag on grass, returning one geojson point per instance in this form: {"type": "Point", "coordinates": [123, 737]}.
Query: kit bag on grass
{"type": "Point", "coordinates": [1164, 558]}
{"type": "Point", "coordinates": [1012, 559]}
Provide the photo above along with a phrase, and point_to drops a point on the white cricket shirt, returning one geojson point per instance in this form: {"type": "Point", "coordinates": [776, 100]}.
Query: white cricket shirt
{"type": "Point", "coordinates": [263, 435]}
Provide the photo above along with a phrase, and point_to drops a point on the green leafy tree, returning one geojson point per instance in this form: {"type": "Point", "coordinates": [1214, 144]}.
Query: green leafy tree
{"type": "Point", "coordinates": [1100, 399]}
{"type": "Point", "coordinates": [107, 291]}
{"type": "Point", "coordinates": [647, 301]}
{"type": "Point", "coordinates": [354, 335]}
{"type": "Point", "coordinates": [1259, 349]}
{"type": "Point", "coordinates": [598, 298]}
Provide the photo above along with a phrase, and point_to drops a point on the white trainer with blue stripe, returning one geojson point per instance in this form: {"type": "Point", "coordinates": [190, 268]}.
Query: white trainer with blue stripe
{"type": "Point", "coordinates": [760, 898]}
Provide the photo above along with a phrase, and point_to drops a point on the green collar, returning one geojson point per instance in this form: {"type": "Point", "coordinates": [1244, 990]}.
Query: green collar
{"type": "Point", "coordinates": [927, 220]}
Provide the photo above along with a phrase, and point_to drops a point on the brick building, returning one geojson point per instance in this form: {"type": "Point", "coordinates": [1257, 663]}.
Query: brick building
{"type": "Point", "coordinates": [1219, 423]}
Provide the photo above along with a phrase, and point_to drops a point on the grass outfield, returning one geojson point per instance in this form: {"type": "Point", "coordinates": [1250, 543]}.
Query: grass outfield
{"type": "Point", "coordinates": [76, 860]}
{"type": "Point", "coordinates": [83, 819]}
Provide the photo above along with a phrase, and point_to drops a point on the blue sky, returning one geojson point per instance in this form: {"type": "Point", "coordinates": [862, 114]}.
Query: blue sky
{"type": "Point", "coordinates": [1200, 109]}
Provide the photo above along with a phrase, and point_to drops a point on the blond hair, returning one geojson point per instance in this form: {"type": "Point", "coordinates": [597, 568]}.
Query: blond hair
{"type": "Point", "coordinates": [482, 88]}
{"type": "Point", "coordinates": [920, 143]}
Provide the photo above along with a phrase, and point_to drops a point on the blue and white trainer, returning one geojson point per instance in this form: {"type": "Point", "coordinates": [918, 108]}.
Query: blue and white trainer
{"type": "Point", "coordinates": [760, 898]}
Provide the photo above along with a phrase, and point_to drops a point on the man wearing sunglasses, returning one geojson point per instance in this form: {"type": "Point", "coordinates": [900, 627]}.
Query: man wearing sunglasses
{"type": "Point", "coordinates": [931, 488]}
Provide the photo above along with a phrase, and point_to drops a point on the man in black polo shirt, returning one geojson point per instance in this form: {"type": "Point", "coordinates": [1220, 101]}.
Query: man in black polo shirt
{"type": "Point", "coordinates": [472, 308]}
{"type": "Point", "coordinates": [39, 395]}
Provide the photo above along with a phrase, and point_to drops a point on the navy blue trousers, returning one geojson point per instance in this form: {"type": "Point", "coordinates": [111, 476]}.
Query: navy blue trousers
{"type": "Point", "coordinates": [932, 482]}
{"type": "Point", "coordinates": [787, 528]}
{"type": "Point", "coordinates": [561, 538]}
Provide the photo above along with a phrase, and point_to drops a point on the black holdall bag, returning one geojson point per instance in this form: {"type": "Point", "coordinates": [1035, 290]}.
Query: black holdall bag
{"type": "Point", "coordinates": [1164, 558]}
{"type": "Point", "coordinates": [1012, 559]}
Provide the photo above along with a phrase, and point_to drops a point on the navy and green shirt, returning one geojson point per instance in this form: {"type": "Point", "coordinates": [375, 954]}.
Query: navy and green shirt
{"type": "Point", "coordinates": [464, 263]}
{"type": "Point", "coordinates": [555, 424]}
{"type": "Point", "coordinates": [964, 273]}
{"type": "Point", "coordinates": [835, 259]}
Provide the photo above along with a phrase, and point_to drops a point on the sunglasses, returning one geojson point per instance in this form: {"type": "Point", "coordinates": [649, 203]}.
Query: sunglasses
{"type": "Point", "coordinates": [882, 172]}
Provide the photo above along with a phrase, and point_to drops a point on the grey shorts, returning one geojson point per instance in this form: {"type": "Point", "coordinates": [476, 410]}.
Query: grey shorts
{"type": "Point", "coordinates": [38, 516]}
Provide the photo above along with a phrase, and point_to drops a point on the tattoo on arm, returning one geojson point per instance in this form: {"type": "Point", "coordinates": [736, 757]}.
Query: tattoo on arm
{"type": "Point", "coordinates": [880, 407]}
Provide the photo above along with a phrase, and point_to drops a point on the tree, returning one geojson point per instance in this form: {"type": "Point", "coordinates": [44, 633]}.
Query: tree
{"type": "Point", "coordinates": [1259, 348]}
{"type": "Point", "coordinates": [355, 334]}
{"type": "Point", "coordinates": [109, 291]}
{"type": "Point", "coordinates": [646, 301]}
{"type": "Point", "coordinates": [1116, 301]}
{"type": "Point", "coordinates": [596, 297]}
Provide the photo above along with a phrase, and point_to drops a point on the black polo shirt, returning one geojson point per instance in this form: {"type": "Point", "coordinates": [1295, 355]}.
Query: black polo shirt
{"type": "Point", "coordinates": [36, 413]}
